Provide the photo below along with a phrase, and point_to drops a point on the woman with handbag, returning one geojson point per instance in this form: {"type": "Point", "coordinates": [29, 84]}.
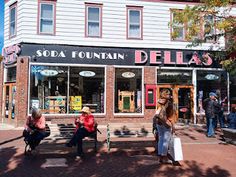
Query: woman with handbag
{"type": "Point", "coordinates": [164, 118]}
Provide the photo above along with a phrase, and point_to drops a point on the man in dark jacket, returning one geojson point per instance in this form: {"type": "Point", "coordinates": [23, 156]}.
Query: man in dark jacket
{"type": "Point", "coordinates": [210, 105]}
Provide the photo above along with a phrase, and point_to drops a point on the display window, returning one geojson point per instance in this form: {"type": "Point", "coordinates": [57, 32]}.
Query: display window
{"type": "Point", "coordinates": [128, 90]}
{"type": "Point", "coordinates": [212, 81]}
{"type": "Point", "coordinates": [65, 90]}
{"type": "Point", "coordinates": [86, 89]}
{"type": "Point", "coordinates": [48, 88]}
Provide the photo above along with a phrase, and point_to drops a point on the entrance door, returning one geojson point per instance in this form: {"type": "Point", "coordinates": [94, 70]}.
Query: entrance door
{"type": "Point", "coordinates": [182, 96]}
{"type": "Point", "coordinates": [9, 93]}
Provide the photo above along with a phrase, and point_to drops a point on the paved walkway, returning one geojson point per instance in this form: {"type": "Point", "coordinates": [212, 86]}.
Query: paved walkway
{"type": "Point", "coordinates": [202, 157]}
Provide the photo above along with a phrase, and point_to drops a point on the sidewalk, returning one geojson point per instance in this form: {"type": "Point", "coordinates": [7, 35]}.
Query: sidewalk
{"type": "Point", "coordinates": [202, 157]}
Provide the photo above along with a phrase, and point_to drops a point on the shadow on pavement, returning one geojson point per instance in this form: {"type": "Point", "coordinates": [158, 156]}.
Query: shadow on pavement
{"type": "Point", "coordinates": [118, 163]}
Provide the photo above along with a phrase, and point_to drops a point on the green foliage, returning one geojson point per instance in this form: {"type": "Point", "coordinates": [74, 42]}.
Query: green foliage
{"type": "Point", "coordinates": [207, 22]}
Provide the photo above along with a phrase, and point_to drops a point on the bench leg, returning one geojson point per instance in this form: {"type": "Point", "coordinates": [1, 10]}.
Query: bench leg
{"type": "Point", "coordinates": [95, 144]}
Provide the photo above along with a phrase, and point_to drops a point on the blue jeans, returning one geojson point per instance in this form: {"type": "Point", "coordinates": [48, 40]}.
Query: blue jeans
{"type": "Point", "coordinates": [164, 135]}
{"type": "Point", "coordinates": [210, 125]}
{"type": "Point", "coordinates": [221, 121]}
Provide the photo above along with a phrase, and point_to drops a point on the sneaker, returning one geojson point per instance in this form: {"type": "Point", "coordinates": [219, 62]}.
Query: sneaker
{"type": "Point", "coordinates": [166, 161]}
{"type": "Point", "coordinates": [212, 136]}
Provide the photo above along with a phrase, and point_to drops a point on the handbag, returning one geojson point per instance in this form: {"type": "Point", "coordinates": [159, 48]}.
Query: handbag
{"type": "Point", "coordinates": [175, 148]}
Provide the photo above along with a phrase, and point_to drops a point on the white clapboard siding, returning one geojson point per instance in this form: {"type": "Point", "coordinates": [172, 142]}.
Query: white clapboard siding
{"type": "Point", "coordinates": [70, 24]}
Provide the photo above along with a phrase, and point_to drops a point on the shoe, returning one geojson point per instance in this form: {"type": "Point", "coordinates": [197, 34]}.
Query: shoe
{"type": "Point", "coordinates": [167, 161]}
{"type": "Point", "coordinates": [212, 136]}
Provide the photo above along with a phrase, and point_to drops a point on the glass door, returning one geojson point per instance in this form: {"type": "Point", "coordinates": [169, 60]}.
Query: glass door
{"type": "Point", "coordinates": [9, 103]}
{"type": "Point", "coordinates": [185, 104]}
{"type": "Point", "coordinates": [182, 96]}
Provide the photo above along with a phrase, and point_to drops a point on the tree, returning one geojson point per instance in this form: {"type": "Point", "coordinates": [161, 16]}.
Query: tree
{"type": "Point", "coordinates": [209, 21]}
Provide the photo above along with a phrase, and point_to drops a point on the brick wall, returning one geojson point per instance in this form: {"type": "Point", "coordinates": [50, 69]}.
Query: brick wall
{"type": "Point", "coordinates": [150, 76]}
{"type": "Point", "coordinates": [1, 89]}
{"type": "Point", "coordinates": [22, 74]}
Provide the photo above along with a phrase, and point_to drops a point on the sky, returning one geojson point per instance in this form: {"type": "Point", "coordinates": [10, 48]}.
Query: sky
{"type": "Point", "coordinates": [1, 23]}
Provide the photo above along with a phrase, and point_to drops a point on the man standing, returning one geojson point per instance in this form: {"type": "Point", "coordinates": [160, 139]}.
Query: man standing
{"type": "Point", "coordinates": [210, 105]}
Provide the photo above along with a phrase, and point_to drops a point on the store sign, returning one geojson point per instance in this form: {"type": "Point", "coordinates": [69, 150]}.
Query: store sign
{"type": "Point", "coordinates": [116, 56]}
{"type": "Point", "coordinates": [10, 54]}
{"type": "Point", "coordinates": [156, 57]}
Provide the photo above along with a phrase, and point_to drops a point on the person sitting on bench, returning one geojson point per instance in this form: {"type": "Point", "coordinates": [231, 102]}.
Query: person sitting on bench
{"type": "Point", "coordinates": [35, 129]}
{"type": "Point", "coordinates": [84, 127]}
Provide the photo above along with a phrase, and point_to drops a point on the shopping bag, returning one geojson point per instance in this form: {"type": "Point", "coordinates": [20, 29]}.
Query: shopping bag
{"type": "Point", "coordinates": [175, 149]}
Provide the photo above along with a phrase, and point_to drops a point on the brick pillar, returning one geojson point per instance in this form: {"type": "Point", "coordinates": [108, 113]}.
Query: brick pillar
{"type": "Point", "coordinates": [1, 89]}
{"type": "Point", "coordinates": [110, 87]}
{"type": "Point", "coordinates": [149, 78]}
{"type": "Point", "coordinates": [22, 75]}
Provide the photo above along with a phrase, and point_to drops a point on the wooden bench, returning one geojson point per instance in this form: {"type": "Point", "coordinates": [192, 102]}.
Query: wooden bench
{"type": "Point", "coordinates": [133, 133]}
{"type": "Point", "coordinates": [58, 132]}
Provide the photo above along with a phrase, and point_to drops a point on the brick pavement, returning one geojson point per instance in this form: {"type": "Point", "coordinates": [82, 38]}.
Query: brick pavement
{"type": "Point", "coordinates": [202, 157]}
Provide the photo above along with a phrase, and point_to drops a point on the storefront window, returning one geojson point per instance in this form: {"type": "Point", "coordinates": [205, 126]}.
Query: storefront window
{"type": "Point", "coordinates": [174, 76]}
{"type": "Point", "coordinates": [212, 81]}
{"type": "Point", "coordinates": [11, 74]}
{"type": "Point", "coordinates": [48, 89]}
{"type": "Point", "coordinates": [86, 89]}
{"type": "Point", "coordinates": [128, 90]}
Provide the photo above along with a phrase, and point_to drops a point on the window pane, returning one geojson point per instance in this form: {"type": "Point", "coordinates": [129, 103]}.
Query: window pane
{"type": "Point", "coordinates": [48, 88]}
{"type": "Point", "coordinates": [11, 74]}
{"type": "Point", "coordinates": [211, 81]}
{"type": "Point", "coordinates": [93, 29]}
{"type": "Point", "coordinates": [46, 26]}
{"type": "Point", "coordinates": [93, 14]}
{"type": "Point", "coordinates": [12, 29]}
{"type": "Point", "coordinates": [128, 90]}
{"type": "Point", "coordinates": [134, 31]}
{"type": "Point", "coordinates": [46, 21]}
{"type": "Point", "coordinates": [12, 21]}
{"type": "Point", "coordinates": [134, 23]}
{"type": "Point", "coordinates": [86, 89]}
{"type": "Point", "coordinates": [47, 11]}
{"type": "Point", "coordinates": [134, 17]}
{"type": "Point", "coordinates": [174, 77]}
{"type": "Point", "coordinates": [13, 13]}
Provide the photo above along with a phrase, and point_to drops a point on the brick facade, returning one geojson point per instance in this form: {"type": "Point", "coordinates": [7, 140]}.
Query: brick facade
{"type": "Point", "coordinates": [22, 90]}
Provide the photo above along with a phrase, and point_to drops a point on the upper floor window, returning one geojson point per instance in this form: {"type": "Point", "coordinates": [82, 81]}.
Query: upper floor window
{"type": "Point", "coordinates": [12, 22]}
{"type": "Point", "coordinates": [93, 20]}
{"type": "Point", "coordinates": [134, 23]}
{"type": "Point", "coordinates": [47, 18]}
{"type": "Point", "coordinates": [186, 30]}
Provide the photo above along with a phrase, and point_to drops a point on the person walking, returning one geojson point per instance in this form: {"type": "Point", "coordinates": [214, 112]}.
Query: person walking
{"type": "Point", "coordinates": [164, 121]}
{"type": "Point", "coordinates": [210, 105]}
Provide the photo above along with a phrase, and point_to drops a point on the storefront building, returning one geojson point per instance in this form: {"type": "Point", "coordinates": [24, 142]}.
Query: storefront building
{"type": "Point", "coordinates": [66, 63]}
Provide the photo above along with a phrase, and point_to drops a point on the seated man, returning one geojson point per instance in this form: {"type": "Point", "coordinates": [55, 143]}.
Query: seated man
{"type": "Point", "coordinates": [35, 129]}
{"type": "Point", "coordinates": [84, 127]}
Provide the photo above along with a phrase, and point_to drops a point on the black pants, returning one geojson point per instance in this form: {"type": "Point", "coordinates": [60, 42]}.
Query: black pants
{"type": "Point", "coordinates": [33, 139]}
{"type": "Point", "coordinates": [77, 139]}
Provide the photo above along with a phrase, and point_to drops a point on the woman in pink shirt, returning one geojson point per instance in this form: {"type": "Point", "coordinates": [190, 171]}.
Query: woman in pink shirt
{"type": "Point", "coordinates": [35, 129]}
{"type": "Point", "coordinates": [84, 127]}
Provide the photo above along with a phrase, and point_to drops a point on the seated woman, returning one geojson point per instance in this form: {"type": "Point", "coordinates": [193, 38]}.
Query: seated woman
{"type": "Point", "coordinates": [35, 129]}
{"type": "Point", "coordinates": [84, 127]}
